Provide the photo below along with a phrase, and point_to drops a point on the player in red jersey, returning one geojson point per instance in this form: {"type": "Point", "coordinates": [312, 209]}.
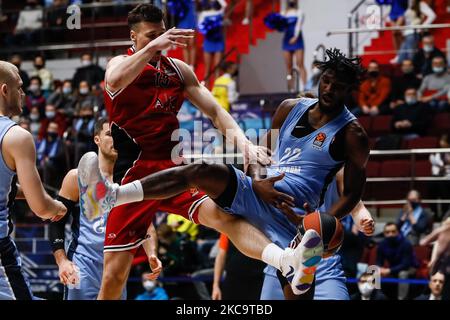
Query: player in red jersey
{"type": "Point", "coordinates": [144, 92]}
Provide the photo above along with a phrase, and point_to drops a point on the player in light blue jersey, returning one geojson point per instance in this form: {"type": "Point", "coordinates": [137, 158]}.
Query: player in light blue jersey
{"type": "Point", "coordinates": [17, 163]}
{"type": "Point", "coordinates": [314, 139]}
{"type": "Point", "coordinates": [81, 268]}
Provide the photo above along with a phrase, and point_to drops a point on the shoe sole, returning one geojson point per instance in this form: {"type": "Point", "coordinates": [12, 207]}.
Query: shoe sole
{"type": "Point", "coordinates": [311, 252]}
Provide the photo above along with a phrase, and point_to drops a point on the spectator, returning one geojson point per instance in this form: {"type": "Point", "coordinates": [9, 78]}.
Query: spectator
{"type": "Point", "coordinates": [51, 156]}
{"type": "Point", "coordinates": [244, 276]}
{"type": "Point", "coordinates": [35, 97]}
{"type": "Point", "coordinates": [214, 41]}
{"type": "Point", "coordinates": [64, 99]}
{"type": "Point", "coordinates": [85, 97]}
{"type": "Point", "coordinates": [189, 21]}
{"type": "Point", "coordinates": [293, 44]}
{"type": "Point", "coordinates": [423, 58]}
{"type": "Point", "coordinates": [52, 115]}
{"type": "Point", "coordinates": [43, 73]}
{"type": "Point", "coordinates": [410, 119]}
{"type": "Point", "coordinates": [312, 86]}
{"type": "Point", "coordinates": [153, 289]}
{"type": "Point", "coordinates": [35, 122]}
{"type": "Point", "coordinates": [413, 220]}
{"type": "Point", "coordinates": [435, 86]}
{"type": "Point", "coordinates": [84, 130]}
{"type": "Point", "coordinates": [374, 91]}
{"type": "Point", "coordinates": [183, 226]}
{"type": "Point", "coordinates": [436, 285]}
{"type": "Point", "coordinates": [408, 79]}
{"type": "Point", "coordinates": [440, 167]}
{"type": "Point", "coordinates": [399, 255]}
{"type": "Point", "coordinates": [414, 17]}
{"type": "Point", "coordinates": [56, 20]}
{"type": "Point", "coordinates": [16, 60]}
{"type": "Point", "coordinates": [367, 290]}
{"type": "Point", "coordinates": [397, 18]}
{"type": "Point", "coordinates": [224, 89]}
{"type": "Point", "coordinates": [24, 123]}
{"type": "Point", "coordinates": [28, 24]}
{"type": "Point", "coordinates": [89, 72]}
{"type": "Point", "coordinates": [247, 15]}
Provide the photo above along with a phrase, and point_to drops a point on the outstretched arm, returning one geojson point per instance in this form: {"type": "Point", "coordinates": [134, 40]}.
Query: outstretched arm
{"type": "Point", "coordinates": [151, 249]}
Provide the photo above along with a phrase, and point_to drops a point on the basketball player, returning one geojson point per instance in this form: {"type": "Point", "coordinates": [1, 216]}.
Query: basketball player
{"type": "Point", "coordinates": [317, 137]}
{"type": "Point", "coordinates": [17, 163]}
{"type": "Point", "coordinates": [330, 282]}
{"type": "Point", "coordinates": [144, 92]}
{"type": "Point", "coordinates": [86, 249]}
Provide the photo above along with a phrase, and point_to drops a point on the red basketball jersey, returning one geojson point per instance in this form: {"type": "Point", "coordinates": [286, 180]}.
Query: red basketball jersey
{"type": "Point", "coordinates": [147, 108]}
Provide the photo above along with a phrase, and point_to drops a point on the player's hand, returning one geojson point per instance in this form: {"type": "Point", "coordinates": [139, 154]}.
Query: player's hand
{"type": "Point", "coordinates": [155, 266]}
{"type": "Point", "coordinates": [265, 189]}
{"type": "Point", "coordinates": [171, 38]}
{"type": "Point", "coordinates": [66, 272]}
{"type": "Point", "coordinates": [441, 236]}
{"type": "Point", "coordinates": [216, 293]}
{"type": "Point", "coordinates": [367, 226]}
{"type": "Point", "coordinates": [256, 154]}
{"type": "Point", "coordinates": [61, 211]}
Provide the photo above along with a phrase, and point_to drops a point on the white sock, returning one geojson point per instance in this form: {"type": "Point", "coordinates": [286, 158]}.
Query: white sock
{"type": "Point", "coordinates": [272, 255]}
{"type": "Point", "coordinates": [130, 192]}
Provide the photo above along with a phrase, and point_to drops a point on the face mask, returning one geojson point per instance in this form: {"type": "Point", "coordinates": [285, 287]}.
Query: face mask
{"type": "Point", "coordinates": [38, 66]}
{"type": "Point", "coordinates": [365, 289]}
{"type": "Point", "coordinates": [414, 204]}
{"type": "Point", "coordinates": [67, 90]}
{"type": "Point", "coordinates": [86, 63]}
{"type": "Point", "coordinates": [52, 135]}
{"type": "Point", "coordinates": [34, 117]}
{"type": "Point", "coordinates": [34, 127]}
{"type": "Point", "coordinates": [438, 69]}
{"type": "Point", "coordinates": [428, 48]}
{"type": "Point", "coordinates": [374, 74]}
{"type": "Point", "coordinates": [408, 70]}
{"type": "Point", "coordinates": [149, 285]}
{"type": "Point", "coordinates": [410, 100]}
{"type": "Point", "coordinates": [84, 91]}
{"type": "Point", "coordinates": [34, 88]}
{"type": "Point", "coordinates": [50, 114]}
{"type": "Point", "coordinates": [392, 240]}
{"type": "Point", "coordinates": [86, 118]}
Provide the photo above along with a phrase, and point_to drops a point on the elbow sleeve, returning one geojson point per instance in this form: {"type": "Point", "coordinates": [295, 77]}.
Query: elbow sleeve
{"type": "Point", "coordinates": [57, 229]}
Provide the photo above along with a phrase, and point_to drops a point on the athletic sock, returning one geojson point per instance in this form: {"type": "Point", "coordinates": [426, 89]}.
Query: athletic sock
{"type": "Point", "coordinates": [130, 192]}
{"type": "Point", "coordinates": [272, 255]}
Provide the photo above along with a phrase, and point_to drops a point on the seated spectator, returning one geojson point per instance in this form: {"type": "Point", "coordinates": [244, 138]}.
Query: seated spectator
{"type": "Point", "coordinates": [35, 97]}
{"type": "Point", "coordinates": [435, 86]}
{"type": "Point", "coordinates": [89, 72]}
{"type": "Point", "coordinates": [85, 96]}
{"type": "Point", "coordinates": [423, 58]}
{"type": "Point", "coordinates": [435, 285]}
{"type": "Point", "coordinates": [413, 220]}
{"type": "Point", "coordinates": [84, 131]}
{"type": "Point", "coordinates": [51, 156]}
{"type": "Point", "coordinates": [29, 25]}
{"type": "Point", "coordinates": [440, 167]}
{"type": "Point", "coordinates": [398, 253]}
{"type": "Point", "coordinates": [16, 60]}
{"type": "Point", "coordinates": [367, 290]}
{"type": "Point", "coordinates": [224, 89]}
{"type": "Point", "coordinates": [52, 115]}
{"type": "Point", "coordinates": [43, 73]}
{"type": "Point", "coordinates": [374, 91]}
{"type": "Point", "coordinates": [410, 119]}
{"type": "Point", "coordinates": [153, 289]}
{"type": "Point", "coordinates": [56, 20]}
{"type": "Point", "coordinates": [35, 122]}
{"type": "Point", "coordinates": [183, 226]}
{"type": "Point", "coordinates": [408, 79]}
{"type": "Point", "coordinates": [64, 99]}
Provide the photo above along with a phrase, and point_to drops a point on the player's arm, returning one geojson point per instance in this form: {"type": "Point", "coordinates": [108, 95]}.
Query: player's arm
{"type": "Point", "coordinates": [151, 249]}
{"type": "Point", "coordinates": [24, 160]}
{"type": "Point", "coordinates": [122, 70]}
{"type": "Point", "coordinates": [219, 267]}
{"type": "Point", "coordinates": [68, 195]}
{"type": "Point", "coordinates": [203, 99]}
{"type": "Point", "coordinates": [361, 216]}
{"type": "Point", "coordinates": [357, 153]}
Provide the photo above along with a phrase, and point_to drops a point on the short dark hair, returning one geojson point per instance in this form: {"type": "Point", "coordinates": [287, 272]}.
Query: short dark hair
{"type": "Point", "coordinates": [144, 12]}
{"type": "Point", "coordinates": [225, 65]}
{"type": "Point", "coordinates": [36, 78]}
{"type": "Point", "coordinates": [390, 223]}
{"type": "Point", "coordinates": [98, 127]}
{"type": "Point", "coordinates": [348, 70]}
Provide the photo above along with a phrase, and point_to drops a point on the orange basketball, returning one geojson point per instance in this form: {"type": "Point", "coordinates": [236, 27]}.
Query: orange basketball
{"type": "Point", "coordinates": [328, 227]}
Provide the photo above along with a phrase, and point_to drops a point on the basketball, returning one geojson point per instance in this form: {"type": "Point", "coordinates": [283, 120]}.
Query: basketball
{"type": "Point", "coordinates": [329, 229]}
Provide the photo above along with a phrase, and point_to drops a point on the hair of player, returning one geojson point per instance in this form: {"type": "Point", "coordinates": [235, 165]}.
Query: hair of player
{"type": "Point", "coordinates": [348, 70]}
{"type": "Point", "coordinates": [144, 13]}
{"type": "Point", "coordinates": [98, 127]}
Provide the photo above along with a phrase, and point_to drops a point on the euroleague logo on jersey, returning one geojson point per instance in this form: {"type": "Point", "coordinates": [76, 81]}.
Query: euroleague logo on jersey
{"type": "Point", "coordinates": [319, 140]}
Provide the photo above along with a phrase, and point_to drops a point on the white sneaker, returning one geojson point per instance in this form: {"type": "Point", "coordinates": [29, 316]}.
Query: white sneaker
{"type": "Point", "coordinates": [97, 195]}
{"type": "Point", "coordinates": [299, 264]}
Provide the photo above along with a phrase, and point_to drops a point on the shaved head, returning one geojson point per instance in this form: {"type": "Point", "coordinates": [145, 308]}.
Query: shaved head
{"type": "Point", "coordinates": [11, 93]}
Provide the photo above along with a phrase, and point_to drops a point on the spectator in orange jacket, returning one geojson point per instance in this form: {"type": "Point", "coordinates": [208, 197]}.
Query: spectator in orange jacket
{"type": "Point", "coordinates": [374, 91]}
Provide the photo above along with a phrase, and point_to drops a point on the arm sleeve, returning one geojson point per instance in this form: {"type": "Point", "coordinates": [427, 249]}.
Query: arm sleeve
{"type": "Point", "coordinates": [428, 12]}
{"type": "Point", "coordinates": [405, 261]}
{"type": "Point", "coordinates": [298, 25]}
{"type": "Point", "coordinates": [57, 229]}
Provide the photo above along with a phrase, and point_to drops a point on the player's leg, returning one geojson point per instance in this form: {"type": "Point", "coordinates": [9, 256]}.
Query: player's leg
{"type": "Point", "coordinates": [288, 57]}
{"type": "Point", "coordinates": [117, 265]}
{"type": "Point", "coordinates": [207, 57]}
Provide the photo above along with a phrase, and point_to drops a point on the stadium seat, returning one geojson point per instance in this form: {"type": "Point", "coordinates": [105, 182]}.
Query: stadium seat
{"type": "Point", "coordinates": [441, 124]}
{"type": "Point", "coordinates": [366, 123]}
{"type": "Point", "coordinates": [381, 125]}
{"type": "Point", "coordinates": [421, 143]}
{"type": "Point", "coordinates": [373, 169]}
{"type": "Point", "coordinates": [395, 168]}
{"type": "Point", "coordinates": [422, 168]}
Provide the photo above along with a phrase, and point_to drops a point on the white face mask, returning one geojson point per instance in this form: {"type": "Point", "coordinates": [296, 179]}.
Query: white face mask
{"type": "Point", "coordinates": [34, 88]}
{"type": "Point", "coordinates": [365, 289]}
{"type": "Point", "coordinates": [410, 100]}
{"type": "Point", "coordinates": [34, 117]}
{"type": "Point", "coordinates": [428, 48]}
{"type": "Point", "coordinates": [149, 285]}
{"type": "Point", "coordinates": [50, 114]}
{"type": "Point", "coordinates": [438, 69]}
{"type": "Point", "coordinates": [86, 63]}
{"type": "Point", "coordinates": [84, 91]}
